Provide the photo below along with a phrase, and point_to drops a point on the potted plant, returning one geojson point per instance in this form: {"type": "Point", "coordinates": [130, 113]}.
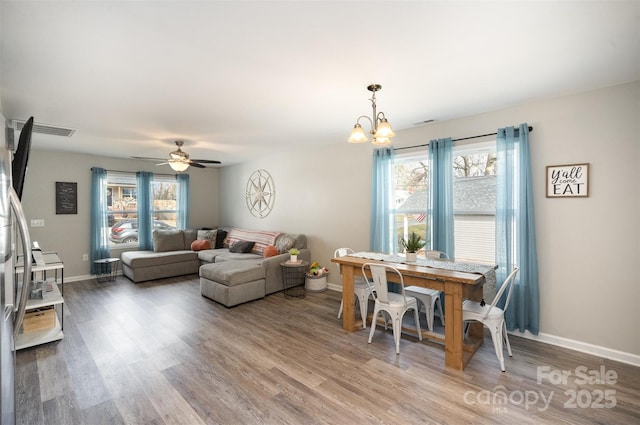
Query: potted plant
{"type": "Point", "coordinates": [412, 245]}
{"type": "Point", "coordinates": [316, 278]}
{"type": "Point", "coordinates": [293, 255]}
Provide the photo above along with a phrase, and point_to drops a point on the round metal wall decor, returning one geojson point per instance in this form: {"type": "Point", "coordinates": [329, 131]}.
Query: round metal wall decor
{"type": "Point", "coordinates": [261, 193]}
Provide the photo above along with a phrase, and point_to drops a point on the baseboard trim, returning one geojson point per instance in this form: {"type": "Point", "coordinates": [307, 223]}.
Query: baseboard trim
{"type": "Point", "coordinates": [84, 277]}
{"type": "Point", "coordinates": [78, 278]}
{"type": "Point", "coordinates": [334, 287]}
{"type": "Point", "coordinates": [583, 347]}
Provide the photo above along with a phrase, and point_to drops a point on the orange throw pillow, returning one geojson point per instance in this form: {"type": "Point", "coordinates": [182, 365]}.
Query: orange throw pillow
{"type": "Point", "coordinates": [200, 244]}
{"type": "Point", "coordinates": [269, 251]}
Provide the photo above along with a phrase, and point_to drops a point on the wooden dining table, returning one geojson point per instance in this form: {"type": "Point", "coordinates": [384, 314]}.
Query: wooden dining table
{"type": "Point", "coordinates": [455, 285]}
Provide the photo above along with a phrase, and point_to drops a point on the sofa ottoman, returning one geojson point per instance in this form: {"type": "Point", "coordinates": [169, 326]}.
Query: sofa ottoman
{"type": "Point", "coordinates": [233, 282]}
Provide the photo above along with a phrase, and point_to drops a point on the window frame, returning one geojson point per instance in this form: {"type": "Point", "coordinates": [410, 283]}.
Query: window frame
{"type": "Point", "coordinates": [119, 182]}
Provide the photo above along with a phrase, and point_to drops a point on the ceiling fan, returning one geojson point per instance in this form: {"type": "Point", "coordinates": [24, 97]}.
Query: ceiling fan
{"type": "Point", "coordinates": [179, 159]}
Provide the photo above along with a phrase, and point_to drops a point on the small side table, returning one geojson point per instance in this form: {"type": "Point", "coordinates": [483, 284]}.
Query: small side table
{"type": "Point", "coordinates": [293, 275]}
{"type": "Point", "coordinates": [107, 269]}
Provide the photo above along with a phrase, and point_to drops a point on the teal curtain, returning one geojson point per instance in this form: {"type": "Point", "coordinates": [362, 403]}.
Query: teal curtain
{"type": "Point", "coordinates": [99, 232]}
{"type": "Point", "coordinates": [183, 200]}
{"type": "Point", "coordinates": [515, 227]}
{"type": "Point", "coordinates": [382, 188]}
{"type": "Point", "coordinates": [145, 205]}
{"type": "Point", "coordinates": [440, 207]}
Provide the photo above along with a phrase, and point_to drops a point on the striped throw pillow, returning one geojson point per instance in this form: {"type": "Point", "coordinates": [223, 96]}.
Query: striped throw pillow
{"type": "Point", "coordinates": [261, 239]}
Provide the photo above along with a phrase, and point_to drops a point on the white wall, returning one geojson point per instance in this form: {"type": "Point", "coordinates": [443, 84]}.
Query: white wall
{"type": "Point", "coordinates": [587, 248]}
{"type": "Point", "coordinates": [69, 234]}
{"type": "Point", "coordinates": [310, 197]}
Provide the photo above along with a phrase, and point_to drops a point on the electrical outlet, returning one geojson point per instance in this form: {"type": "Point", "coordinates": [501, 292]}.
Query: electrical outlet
{"type": "Point", "coordinates": [37, 223]}
{"type": "Point", "coordinates": [85, 257]}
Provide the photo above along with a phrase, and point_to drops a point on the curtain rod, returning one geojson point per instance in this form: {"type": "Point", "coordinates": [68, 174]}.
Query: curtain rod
{"type": "Point", "coordinates": [454, 140]}
{"type": "Point", "coordinates": [133, 172]}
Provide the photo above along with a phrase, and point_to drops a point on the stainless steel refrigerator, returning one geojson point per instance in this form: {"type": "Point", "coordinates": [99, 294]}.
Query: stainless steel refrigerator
{"type": "Point", "coordinates": [14, 237]}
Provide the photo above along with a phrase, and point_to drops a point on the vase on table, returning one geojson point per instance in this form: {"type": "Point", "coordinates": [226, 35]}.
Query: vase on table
{"type": "Point", "coordinates": [412, 257]}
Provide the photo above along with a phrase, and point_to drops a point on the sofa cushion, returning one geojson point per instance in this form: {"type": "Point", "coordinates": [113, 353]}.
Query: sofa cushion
{"type": "Point", "coordinates": [300, 240]}
{"type": "Point", "coordinates": [190, 235]}
{"type": "Point", "coordinates": [261, 238]}
{"type": "Point", "coordinates": [241, 247]}
{"type": "Point", "coordinates": [232, 256]}
{"type": "Point", "coordinates": [233, 273]}
{"type": "Point", "coordinates": [168, 240]}
{"type": "Point", "coordinates": [200, 244]}
{"type": "Point", "coordinates": [210, 255]}
{"type": "Point", "coordinates": [135, 259]}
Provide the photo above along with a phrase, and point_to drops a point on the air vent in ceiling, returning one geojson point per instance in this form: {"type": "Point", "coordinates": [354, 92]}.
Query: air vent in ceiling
{"type": "Point", "coordinates": [45, 129]}
{"type": "Point", "coordinates": [424, 122]}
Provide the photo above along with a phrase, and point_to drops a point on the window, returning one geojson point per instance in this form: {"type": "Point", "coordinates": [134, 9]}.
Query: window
{"type": "Point", "coordinates": [165, 207]}
{"type": "Point", "coordinates": [122, 206]}
{"type": "Point", "coordinates": [411, 195]}
{"type": "Point", "coordinates": [474, 202]}
{"type": "Point", "coordinates": [474, 199]}
{"type": "Point", "coordinates": [122, 200]}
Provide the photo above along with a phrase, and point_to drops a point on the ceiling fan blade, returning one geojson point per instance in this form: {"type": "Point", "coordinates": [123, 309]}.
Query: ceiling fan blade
{"type": "Point", "coordinates": [207, 161]}
{"type": "Point", "coordinates": [195, 164]}
{"type": "Point", "coordinates": [148, 159]}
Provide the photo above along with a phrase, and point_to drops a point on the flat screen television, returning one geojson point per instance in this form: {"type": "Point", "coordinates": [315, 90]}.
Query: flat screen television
{"type": "Point", "coordinates": [21, 158]}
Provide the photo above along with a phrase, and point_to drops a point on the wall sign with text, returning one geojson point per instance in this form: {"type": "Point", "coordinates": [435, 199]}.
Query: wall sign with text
{"type": "Point", "coordinates": [568, 181]}
{"type": "Point", "coordinates": [66, 198]}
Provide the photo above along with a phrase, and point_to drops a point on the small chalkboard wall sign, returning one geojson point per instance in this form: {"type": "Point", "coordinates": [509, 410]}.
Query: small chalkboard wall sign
{"type": "Point", "coordinates": [66, 198]}
{"type": "Point", "coordinates": [568, 181]}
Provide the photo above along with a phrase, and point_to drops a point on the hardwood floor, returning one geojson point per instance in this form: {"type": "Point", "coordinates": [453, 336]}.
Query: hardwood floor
{"type": "Point", "coordinates": [160, 353]}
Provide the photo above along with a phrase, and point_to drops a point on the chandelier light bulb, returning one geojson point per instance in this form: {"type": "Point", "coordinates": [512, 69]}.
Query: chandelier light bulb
{"type": "Point", "coordinates": [358, 135]}
{"type": "Point", "coordinates": [381, 141]}
{"type": "Point", "coordinates": [384, 129]}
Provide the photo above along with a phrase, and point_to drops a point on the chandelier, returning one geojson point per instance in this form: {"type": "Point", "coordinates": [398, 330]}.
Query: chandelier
{"type": "Point", "coordinates": [380, 127]}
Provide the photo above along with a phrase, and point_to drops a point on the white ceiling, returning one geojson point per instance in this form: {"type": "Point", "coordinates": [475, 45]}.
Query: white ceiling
{"type": "Point", "coordinates": [240, 80]}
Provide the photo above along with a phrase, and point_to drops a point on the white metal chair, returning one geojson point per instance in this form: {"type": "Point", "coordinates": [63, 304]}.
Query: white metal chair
{"type": "Point", "coordinates": [430, 298]}
{"type": "Point", "coordinates": [492, 316]}
{"type": "Point", "coordinates": [396, 305]}
{"type": "Point", "coordinates": [361, 288]}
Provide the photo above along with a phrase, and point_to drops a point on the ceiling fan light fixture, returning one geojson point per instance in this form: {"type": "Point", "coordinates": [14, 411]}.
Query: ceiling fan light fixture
{"type": "Point", "coordinates": [178, 165]}
{"type": "Point", "coordinates": [178, 155]}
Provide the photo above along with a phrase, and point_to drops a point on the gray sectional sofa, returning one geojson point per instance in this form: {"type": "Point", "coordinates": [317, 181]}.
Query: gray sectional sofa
{"type": "Point", "coordinates": [227, 277]}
